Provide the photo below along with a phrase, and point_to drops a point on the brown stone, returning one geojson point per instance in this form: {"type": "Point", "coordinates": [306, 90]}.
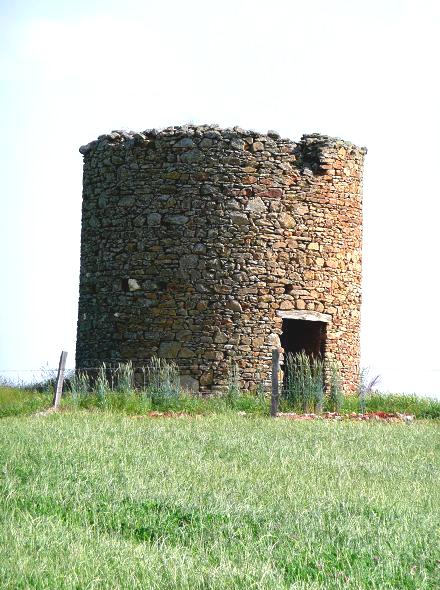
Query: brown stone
{"type": "Point", "coordinates": [186, 353]}
{"type": "Point", "coordinates": [286, 221]}
{"type": "Point", "coordinates": [286, 304]}
{"type": "Point", "coordinates": [274, 340]}
{"type": "Point", "coordinates": [249, 179]}
{"type": "Point", "coordinates": [257, 146]}
{"type": "Point", "coordinates": [332, 263]}
{"type": "Point", "coordinates": [212, 355]}
{"type": "Point", "coordinates": [234, 305]}
{"type": "Point", "coordinates": [206, 378]}
{"type": "Point", "coordinates": [220, 338]}
{"type": "Point", "coordinates": [275, 193]}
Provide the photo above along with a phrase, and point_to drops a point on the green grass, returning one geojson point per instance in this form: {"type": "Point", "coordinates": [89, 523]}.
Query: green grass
{"type": "Point", "coordinates": [97, 500]}
{"type": "Point", "coordinates": [21, 402]}
{"type": "Point", "coordinates": [409, 404]}
{"type": "Point", "coordinates": [137, 403]}
{"type": "Point", "coordinates": [18, 401]}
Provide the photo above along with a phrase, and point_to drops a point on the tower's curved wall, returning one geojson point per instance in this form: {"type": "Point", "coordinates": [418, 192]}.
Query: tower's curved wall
{"type": "Point", "coordinates": [196, 241]}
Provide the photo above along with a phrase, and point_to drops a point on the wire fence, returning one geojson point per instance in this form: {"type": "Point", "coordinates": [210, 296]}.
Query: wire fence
{"type": "Point", "coordinates": [418, 379]}
{"type": "Point", "coordinates": [135, 375]}
{"type": "Point", "coordinates": [109, 367]}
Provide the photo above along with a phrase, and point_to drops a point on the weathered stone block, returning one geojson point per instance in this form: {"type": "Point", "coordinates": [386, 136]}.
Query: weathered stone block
{"type": "Point", "coordinates": [169, 350]}
{"type": "Point", "coordinates": [286, 221]}
{"type": "Point", "coordinates": [234, 305]}
{"type": "Point", "coordinates": [256, 205]}
{"type": "Point", "coordinates": [239, 218]}
{"type": "Point", "coordinates": [189, 383]}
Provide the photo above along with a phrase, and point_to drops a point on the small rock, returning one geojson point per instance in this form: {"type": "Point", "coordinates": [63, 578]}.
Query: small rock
{"type": "Point", "coordinates": [192, 156]}
{"type": "Point", "coordinates": [234, 305]}
{"type": "Point", "coordinates": [220, 338]}
{"type": "Point", "coordinates": [239, 218]}
{"type": "Point", "coordinates": [126, 201]}
{"type": "Point", "coordinates": [186, 353]}
{"type": "Point", "coordinates": [237, 144]}
{"type": "Point", "coordinates": [286, 221]}
{"type": "Point", "coordinates": [206, 378]}
{"type": "Point", "coordinates": [206, 143]}
{"type": "Point", "coordinates": [256, 205]}
{"type": "Point", "coordinates": [176, 219]}
{"type": "Point", "coordinates": [185, 143]}
{"type": "Point", "coordinates": [286, 304]}
{"type": "Point", "coordinates": [154, 219]}
{"type": "Point", "coordinates": [133, 285]}
{"type": "Point", "coordinates": [257, 146]}
{"type": "Point", "coordinates": [188, 261]}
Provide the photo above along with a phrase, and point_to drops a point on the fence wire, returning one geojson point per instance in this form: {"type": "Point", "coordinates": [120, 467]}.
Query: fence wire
{"type": "Point", "coordinates": [135, 374]}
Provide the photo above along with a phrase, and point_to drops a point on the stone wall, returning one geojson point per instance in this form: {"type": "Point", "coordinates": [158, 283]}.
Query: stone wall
{"type": "Point", "coordinates": [196, 240]}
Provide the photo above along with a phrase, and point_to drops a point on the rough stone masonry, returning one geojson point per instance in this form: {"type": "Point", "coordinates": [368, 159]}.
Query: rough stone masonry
{"type": "Point", "coordinates": [203, 245]}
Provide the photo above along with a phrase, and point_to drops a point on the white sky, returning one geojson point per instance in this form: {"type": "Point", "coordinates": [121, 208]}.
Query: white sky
{"type": "Point", "coordinates": [366, 71]}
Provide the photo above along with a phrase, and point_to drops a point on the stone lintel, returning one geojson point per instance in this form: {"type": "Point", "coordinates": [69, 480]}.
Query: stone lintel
{"type": "Point", "coordinates": [299, 314]}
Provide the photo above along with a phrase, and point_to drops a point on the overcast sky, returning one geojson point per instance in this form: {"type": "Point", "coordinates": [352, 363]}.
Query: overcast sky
{"type": "Point", "coordinates": [363, 70]}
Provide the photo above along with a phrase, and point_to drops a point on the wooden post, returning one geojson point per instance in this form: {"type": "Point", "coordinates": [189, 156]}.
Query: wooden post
{"type": "Point", "coordinates": [275, 384]}
{"type": "Point", "coordinates": [60, 380]}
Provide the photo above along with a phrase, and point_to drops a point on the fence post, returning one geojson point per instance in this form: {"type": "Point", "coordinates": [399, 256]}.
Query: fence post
{"type": "Point", "coordinates": [275, 385]}
{"type": "Point", "coordinates": [60, 380]}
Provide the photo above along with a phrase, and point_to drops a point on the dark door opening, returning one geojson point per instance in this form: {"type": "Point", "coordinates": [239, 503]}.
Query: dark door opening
{"type": "Point", "coordinates": [303, 335]}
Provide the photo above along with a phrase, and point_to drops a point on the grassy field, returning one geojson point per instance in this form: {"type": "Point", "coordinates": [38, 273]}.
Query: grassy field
{"type": "Point", "coordinates": [99, 500]}
{"type": "Point", "coordinates": [15, 401]}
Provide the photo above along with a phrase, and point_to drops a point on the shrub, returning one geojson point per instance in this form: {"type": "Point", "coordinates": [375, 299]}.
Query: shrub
{"type": "Point", "coordinates": [304, 382]}
{"type": "Point", "coordinates": [335, 394]}
{"type": "Point", "coordinates": [365, 388]}
{"type": "Point", "coordinates": [80, 386]}
{"type": "Point", "coordinates": [124, 377]}
{"type": "Point", "coordinates": [233, 391]}
{"type": "Point", "coordinates": [163, 380]}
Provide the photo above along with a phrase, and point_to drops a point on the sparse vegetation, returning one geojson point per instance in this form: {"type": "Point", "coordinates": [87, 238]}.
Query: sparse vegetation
{"type": "Point", "coordinates": [233, 391]}
{"type": "Point", "coordinates": [304, 383]}
{"type": "Point", "coordinates": [366, 387]}
{"type": "Point", "coordinates": [336, 394]}
{"type": "Point", "coordinates": [163, 381]}
{"type": "Point", "coordinates": [157, 388]}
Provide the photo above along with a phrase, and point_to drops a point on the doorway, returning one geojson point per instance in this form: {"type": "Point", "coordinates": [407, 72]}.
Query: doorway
{"type": "Point", "coordinates": [304, 335]}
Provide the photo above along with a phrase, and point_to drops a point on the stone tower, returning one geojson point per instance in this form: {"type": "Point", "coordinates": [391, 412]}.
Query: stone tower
{"type": "Point", "coordinates": [205, 245]}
